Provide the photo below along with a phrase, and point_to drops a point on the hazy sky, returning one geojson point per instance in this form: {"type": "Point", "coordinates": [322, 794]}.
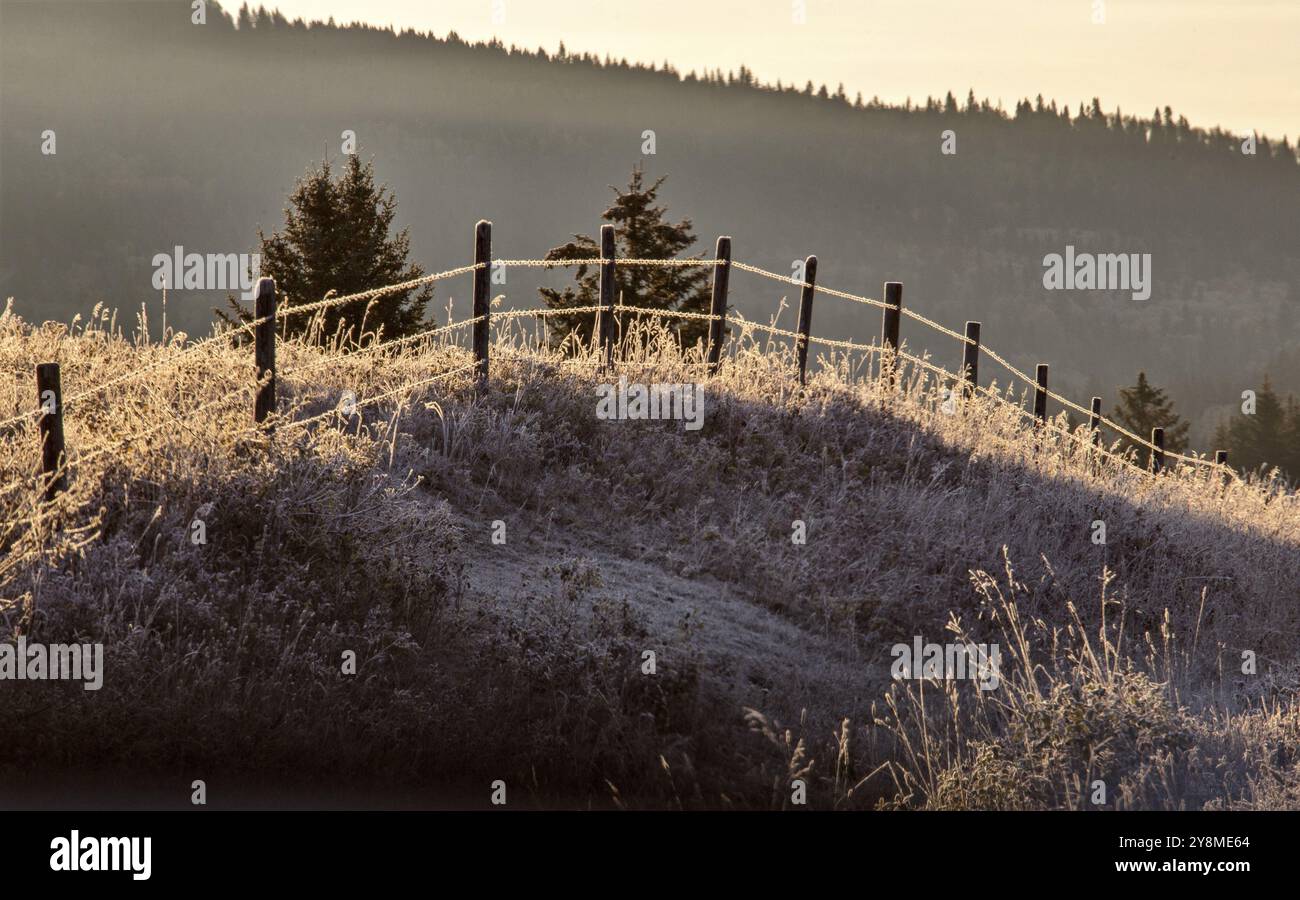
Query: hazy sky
{"type": "Point", "coordinates": [1234, 63]}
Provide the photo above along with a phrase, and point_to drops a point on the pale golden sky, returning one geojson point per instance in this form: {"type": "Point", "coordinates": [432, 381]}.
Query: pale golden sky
{"type": "Point", "coordinates": [1234, 63]}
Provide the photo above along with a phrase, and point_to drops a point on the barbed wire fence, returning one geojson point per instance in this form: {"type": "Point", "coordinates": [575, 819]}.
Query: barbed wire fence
{"type": "Point", "coordinates": [56, 464]}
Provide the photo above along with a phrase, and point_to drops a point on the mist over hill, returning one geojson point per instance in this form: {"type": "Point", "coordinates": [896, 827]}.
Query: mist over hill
{"type": "Point", "coordinates": [171, 133]}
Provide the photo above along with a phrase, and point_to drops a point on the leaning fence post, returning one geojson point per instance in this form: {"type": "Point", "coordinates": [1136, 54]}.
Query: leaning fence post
{"type": "Point", "coordinates": [805, 313]}
{"type": "Point", "coordinates": [49, 393]}
{"type": "Point", "coordinates": [1040, 394]}
{"type": "Point", "coordinates": [893, 314]}
{"type": "Point", "coordinates": [264, 348]}
{"type": "Point", "coordinates": [607, 292]}
{"type": "Point", "coordinates": [1158, 454]}
{"type": "Point", "coordinates": [718, 309]}
{"type": "Point", "coordinates": [970, 357]}
{"type": "Point", "coordinates": [482, 299]}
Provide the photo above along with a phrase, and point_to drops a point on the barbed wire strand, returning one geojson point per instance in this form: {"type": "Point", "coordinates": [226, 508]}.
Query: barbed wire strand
{"type": "Point", "coordinates": [784, 279]}
{"type": "Point", "coordinates": [83, 459]}
{"type": "Point", "coordinates": [72, 462]}
{"type": "Point", "coordinates": [996, 395]}
{"type": "Point", "coordinates": [1102, 420]}
{"type": "Point", "coordinates": [380, 346]}
{"type": "Point", "coordinates": [961, 338]}
{"type": "Point", "coordinates": [744, 323]}
{"type": "Point", "coordinates": [597, 261]}
{"type": "Point", "coordinates": [403, 389]}
{"type": "Point", "coordinates": [374, 293]}
{"type": "Point", "coordinates": [1086, 443]}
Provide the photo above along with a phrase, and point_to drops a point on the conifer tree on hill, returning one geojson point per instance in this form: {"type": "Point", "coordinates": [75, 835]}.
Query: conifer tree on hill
{"type": "Point", "coordinates": [1143, 407]}
{"type": "Point", "coordinates": [337, 238]}
{"type": "Point", "coordinates": [642, 231]}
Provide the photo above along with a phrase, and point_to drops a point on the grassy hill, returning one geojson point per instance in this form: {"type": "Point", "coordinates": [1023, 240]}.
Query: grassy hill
{"type": "Point", "coordinates": [524, 660]}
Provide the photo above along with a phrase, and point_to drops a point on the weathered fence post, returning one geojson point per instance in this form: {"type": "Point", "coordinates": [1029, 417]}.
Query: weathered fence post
{"type": "Point", "coordinates": [805, 313]}
{"type": "Point", "coordinates": [1221, 466]}
{"type": "Point", "coordinates": [970, 357]}
{"type": "Point", "coordinates": [1094, 422]}
{"type": "Point", "coordinates": [718, 309]}
{"type": "Point", "coordinates": [1158, 454]}
{"type": "Point", "coordinates": [890, 321]}
{"type": "Point", "coordinates": [482, 299]}
{"type": "Point", "coordinates": [49, 394]}
{"type": "Point", "coordinates": [1040, 395]}
{"type": "Point", "coordinates": [607, 286]}
{"type": "Point", "coordinates": [264, 348]}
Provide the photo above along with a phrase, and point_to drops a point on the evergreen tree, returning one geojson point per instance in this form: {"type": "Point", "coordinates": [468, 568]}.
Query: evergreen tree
{"type": "Point", "coordinates": [641, 232]}
{"type": "Point", "coordinates": [1143, 407]}
{"type": "Point", "coordinates": [336, 238]}
{"type": "Point", "coordinates": [1270, 436]}
{"type": "Point", "coordinates": [1290, 457]}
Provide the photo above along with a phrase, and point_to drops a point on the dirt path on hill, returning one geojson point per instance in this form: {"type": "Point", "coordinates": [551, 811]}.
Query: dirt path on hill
{"type": "Point", "coordinates": [744, 648]}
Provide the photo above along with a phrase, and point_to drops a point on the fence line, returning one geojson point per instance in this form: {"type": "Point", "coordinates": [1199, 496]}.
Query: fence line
{"type": "Point", "coordinates": [248, 326]}
{"type": "Point", "coordinates": [597, 261]}
{"type": "Point", "coordinates": [743, 323]}
{"type": "Point", "coordinates": [405, 388]}
{"type": "Point", "coordinates": [55, 465]}
{"type": "Point", "coordinates": [1072, 435]}
{"type": "Point", "coordinates": [963, 339]}
{"type": "Point", "coordinates": [382, 345]}
{"type": "Point", "coordinates": [372, 294]}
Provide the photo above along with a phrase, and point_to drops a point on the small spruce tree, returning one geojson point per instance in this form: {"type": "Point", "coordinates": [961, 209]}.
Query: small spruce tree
{"type": "Point", "coordinates": [336, 238]}
{"type": "Point", "coordinates": [642, 231]}
{"type": "Point", "coordinates": [1143, 407]}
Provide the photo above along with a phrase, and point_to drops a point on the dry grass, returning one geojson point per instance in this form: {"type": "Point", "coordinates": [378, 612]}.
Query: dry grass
{"type": "Point", "coordinates": [1122, 662]}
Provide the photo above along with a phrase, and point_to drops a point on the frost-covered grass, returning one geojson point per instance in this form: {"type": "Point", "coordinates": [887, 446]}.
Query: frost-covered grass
{"type": "Point", "coordinates": [371, 533]}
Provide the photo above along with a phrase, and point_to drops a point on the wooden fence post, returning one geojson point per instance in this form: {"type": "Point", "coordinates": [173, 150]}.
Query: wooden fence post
{"type": "Point", "coordinates": [264, 348]}
{"type": "Point", "coordinates": [717, 327]}
{"type": "Point", "coordinates": [607, 287]}
{"type": "Point", "coordinates": [1220, 457]}
{"type": "Point", "coordinates": [49, 394]}
{"type": "Point", "coordinates": [1094, 422]}
{"type": "Point", "coordinates": [1040, 394]}
{"type": "Point", "coordinates": [805, 313]}
{"type": "Point", "coordinates": [1158, 454]}
{"type": "Point", "coordinates": [970, 357]}
{"type": "Point", "coordinates": [890, 321]}
{"type": "Point", "coordinates": [482, 299]}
